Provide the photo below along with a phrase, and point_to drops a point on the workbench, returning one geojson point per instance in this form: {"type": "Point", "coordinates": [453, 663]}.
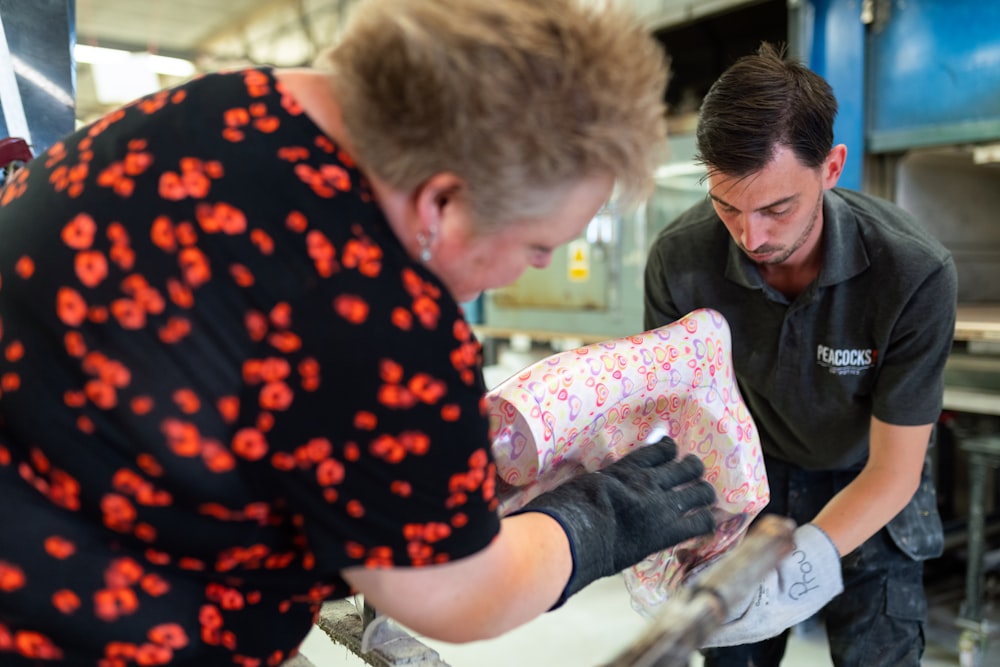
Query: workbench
{"type": "Point", "coordinates": [977, 325]}
{"type": "Point", "coordinates": [978, 322]}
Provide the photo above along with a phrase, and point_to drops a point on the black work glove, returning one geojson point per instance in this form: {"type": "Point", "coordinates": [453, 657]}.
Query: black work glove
{"type": "Point", "coordinates": [643, 503]}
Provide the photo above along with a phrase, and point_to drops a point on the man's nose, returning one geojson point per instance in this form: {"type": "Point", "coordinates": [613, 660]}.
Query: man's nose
{"type": "Point", "coordinates": [753, 232]}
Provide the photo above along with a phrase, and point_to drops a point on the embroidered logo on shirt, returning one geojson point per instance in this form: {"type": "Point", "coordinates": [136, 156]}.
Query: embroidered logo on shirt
{"type": "Point", "coordinates": [845, 361]}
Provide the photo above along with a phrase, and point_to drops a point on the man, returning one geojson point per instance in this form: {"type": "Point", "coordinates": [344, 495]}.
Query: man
{"type": "Point", "coordinates": [842, 310]}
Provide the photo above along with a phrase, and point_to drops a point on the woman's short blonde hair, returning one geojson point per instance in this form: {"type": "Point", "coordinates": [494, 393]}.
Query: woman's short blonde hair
{"type": "Point", "coordinates": [518, 97]}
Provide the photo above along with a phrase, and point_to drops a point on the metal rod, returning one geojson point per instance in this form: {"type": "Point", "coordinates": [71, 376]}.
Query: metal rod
{"type": "Point", "coordinates": [690, 616]}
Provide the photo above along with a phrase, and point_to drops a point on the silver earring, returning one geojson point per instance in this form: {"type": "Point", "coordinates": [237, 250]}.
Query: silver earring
{"type": "Point", "coordinates": [426, 241]}
{"type": "Point", "coordinates": [425, 248]}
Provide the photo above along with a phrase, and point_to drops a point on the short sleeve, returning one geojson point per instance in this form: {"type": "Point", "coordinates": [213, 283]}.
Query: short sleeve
{"type": "Point", "coordinates": [910, 385]}
{"type": "Point", "coordinates": [384, 453]}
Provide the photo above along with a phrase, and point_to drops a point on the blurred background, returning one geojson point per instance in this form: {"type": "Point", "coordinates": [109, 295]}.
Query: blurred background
{"type": "Point", "coordinates": [918, 83]}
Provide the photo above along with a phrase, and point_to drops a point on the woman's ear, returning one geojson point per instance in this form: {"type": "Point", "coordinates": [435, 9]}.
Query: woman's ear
{"type": "Point", "coordinates": [441, 195]}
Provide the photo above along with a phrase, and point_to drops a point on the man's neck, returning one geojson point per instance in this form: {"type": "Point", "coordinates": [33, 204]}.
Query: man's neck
{"type": "Point", "coordinates": [791, 278]}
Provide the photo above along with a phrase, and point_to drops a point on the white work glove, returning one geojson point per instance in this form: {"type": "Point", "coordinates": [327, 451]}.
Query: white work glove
{"type": "Point", "coordinates": [801, 585]}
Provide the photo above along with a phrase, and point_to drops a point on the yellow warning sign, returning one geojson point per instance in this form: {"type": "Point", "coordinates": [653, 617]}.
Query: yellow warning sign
{"type": "Point", "coordinates": [579, 260]}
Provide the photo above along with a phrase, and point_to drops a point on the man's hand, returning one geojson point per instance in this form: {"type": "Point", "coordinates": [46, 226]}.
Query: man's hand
{"type": "Point", "coordinates": [643, 503]}
{"type": "Point", "coordinates": [800, 586]}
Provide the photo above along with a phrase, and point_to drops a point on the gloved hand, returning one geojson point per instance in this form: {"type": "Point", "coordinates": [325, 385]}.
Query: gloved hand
{"type": "Point", "coordinates": [801, 585]}
{"type": "Point", "coordinates": [645, 502]}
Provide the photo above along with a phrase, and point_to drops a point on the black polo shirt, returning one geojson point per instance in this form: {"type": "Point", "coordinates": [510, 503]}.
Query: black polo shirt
{"type": "Point", "coordinates": [869, 336]}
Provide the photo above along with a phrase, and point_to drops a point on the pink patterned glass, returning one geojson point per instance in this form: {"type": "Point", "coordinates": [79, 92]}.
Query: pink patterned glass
{"type": "Point", "coordinates": [582, 409]}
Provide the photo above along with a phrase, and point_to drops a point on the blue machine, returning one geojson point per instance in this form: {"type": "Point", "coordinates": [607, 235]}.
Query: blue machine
{"type": "Point", "coordinates": [934, 73]}
{"type": "Point", "coordinates": [908, 74]}
{"type": "Point", "coordinates": [829, 36]}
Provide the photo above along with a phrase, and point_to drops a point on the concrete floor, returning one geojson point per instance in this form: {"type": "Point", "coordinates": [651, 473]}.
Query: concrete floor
{"type": "Point", "coordinates": [598, 623]}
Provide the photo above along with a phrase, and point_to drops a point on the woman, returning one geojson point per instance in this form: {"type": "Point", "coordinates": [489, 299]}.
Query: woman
{"type": "Point", "coordinates": [236, 380]}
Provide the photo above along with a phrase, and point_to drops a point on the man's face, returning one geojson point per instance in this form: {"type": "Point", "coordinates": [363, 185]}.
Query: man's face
{"type": "Point", "coordinates": [775, 215]}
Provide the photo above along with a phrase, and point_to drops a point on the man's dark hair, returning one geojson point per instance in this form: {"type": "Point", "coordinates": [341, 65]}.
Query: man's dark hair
{"type": "Point", "coordinates": [760, 102]}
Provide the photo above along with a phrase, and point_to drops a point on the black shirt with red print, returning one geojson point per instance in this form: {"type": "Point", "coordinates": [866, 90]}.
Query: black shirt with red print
{"type": "Point", "coordinates": [222, 381]}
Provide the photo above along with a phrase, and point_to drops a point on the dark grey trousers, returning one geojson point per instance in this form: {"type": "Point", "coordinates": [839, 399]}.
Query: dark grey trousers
{"type": "Point", "coordinates": [878, 621]}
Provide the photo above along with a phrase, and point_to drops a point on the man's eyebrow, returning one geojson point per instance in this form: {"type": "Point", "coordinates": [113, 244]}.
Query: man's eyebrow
{"type": "Point", "coordinates": [773, 204]}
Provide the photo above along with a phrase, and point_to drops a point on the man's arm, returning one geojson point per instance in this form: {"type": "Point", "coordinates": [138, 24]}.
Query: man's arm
{"type": "Point", "coordinates": [885, 485]}
{"type": "Point", "coordinates": [810, 577]}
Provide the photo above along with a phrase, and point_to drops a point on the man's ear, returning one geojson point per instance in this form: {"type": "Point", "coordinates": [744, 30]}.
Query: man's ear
{"type": "Point", "coordinates": [833, 166]}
